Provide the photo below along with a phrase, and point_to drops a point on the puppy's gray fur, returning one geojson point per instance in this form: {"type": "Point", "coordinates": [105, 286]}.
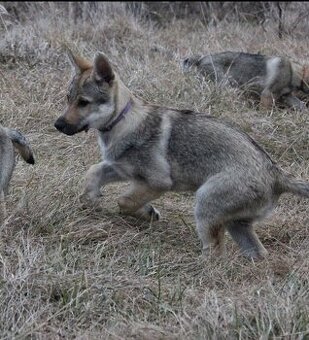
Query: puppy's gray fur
{"type": "Point", "coordinates": [10, 139]}
{"type": "Point", "coordinates": [272, 78]}
{"type": "Point", "coordinates": [160, 149]}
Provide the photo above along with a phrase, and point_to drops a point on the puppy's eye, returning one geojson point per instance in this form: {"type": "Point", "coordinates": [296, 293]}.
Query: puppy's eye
{"type": "Point", "coordinates": [83, 102]}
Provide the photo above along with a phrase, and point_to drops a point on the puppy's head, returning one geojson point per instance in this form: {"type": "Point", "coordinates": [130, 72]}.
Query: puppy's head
{"type": "Point", "coordinates": [90, 97]}
{"type": "Point", "coordinates": [188, 63]}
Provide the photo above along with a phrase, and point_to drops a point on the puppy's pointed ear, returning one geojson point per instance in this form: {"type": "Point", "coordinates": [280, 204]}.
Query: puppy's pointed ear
{"type": "Point", "coordinates": [102, 69]}
{"type": "Point", "coordinates": [79, 64]}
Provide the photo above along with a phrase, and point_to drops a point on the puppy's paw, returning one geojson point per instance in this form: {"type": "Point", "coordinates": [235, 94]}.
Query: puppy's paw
{"type": "Point", "coordinates": [213, 253]}
{"type": "Point", "coordinates": [255, 255]}
{"type": "Point", "coordinates": [300, 107]}
{"type": "Point", "coordinates": [89, 201]}
{"type": "Point", "coordinates": [149, 213]}
{"type": "Point", "coordinates": [154, 214]}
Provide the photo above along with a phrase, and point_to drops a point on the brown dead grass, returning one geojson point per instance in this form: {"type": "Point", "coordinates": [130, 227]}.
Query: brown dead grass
{"type": "Point", "coordinates": [68, 273]}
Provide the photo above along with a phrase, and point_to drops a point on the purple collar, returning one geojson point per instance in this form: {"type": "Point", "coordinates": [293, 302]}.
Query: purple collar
{"type": "Point", "coordinates": [120, 116]}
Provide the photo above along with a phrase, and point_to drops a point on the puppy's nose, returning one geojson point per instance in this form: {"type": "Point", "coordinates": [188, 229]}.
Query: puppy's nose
{"type": "Point", "coordinates": [60, 124]}
{"type": "Point", "coordinates": [185, 65]}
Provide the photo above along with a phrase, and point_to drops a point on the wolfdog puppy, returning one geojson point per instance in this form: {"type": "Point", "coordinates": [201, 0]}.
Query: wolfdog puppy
{"type": "Point", "coordinates": [10, 138]}
{"type": "Point", "coordinates": [271, 78]}
{"type": "Point", "coordinates": [159, 149]}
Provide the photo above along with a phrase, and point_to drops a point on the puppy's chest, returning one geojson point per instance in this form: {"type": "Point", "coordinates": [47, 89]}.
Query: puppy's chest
{"type": "Point", "coordinates": [135, 160]}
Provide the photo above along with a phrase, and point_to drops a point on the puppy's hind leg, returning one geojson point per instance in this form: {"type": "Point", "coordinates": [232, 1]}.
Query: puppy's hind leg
{"type": "Point", "coordinates": [243, 234]}
{"type": "Point", "coordinates": [209, 218]}
{"type": "Point", "coordinates": [220, 200]}
{"type": "Point", "coordinates": [212, 237]}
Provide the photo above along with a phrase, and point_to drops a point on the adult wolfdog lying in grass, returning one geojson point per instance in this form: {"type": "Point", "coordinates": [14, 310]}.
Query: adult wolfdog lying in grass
{"type": "Point", "coordinates": [270, 77]}
{"type": "Point", "coordinates": [161, 149]}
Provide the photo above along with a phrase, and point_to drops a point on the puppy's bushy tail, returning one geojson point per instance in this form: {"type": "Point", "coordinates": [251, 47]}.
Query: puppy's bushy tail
{"type": "Point", "coordinates": [295, 186]}
{"type": "Point", "coordinates": [21, 144]}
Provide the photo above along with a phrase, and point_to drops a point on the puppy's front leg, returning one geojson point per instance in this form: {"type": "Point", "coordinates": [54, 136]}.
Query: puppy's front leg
{"type": "Point", "coordinates": [267, 99]}
{"type": "Point", "coordinates": [98, 175]}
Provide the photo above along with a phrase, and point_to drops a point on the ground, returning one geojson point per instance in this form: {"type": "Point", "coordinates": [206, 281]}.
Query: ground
{"type": "Point", "coordinates": [71, 273]}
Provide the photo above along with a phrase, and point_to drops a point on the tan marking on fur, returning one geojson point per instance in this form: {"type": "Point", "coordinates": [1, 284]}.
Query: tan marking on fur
{"type": "Point", "coordinates": [266, 101]}
{"type": "Point", "coordinates": [85, 76]}
{"type": "Point", "coordinates": [305, 75]}
{"type": "Point", "coordinates": [82, 63]}
{"type": "Point", "coordinates": [136, 197]}
{"type": "Point", "coordinates": [297, 74]}
{"type": "Point", "coordinates": [217, 234]}
{"type": "Point", "coordinates": [72, 115]}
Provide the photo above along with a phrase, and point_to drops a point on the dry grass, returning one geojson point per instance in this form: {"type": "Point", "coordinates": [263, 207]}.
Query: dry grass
{"type": "Point", "coordinates": [67, 273]}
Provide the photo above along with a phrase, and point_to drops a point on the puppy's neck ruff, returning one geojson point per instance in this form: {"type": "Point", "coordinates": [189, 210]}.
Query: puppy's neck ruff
{"type": "Point", "coordinates": [121, 115]}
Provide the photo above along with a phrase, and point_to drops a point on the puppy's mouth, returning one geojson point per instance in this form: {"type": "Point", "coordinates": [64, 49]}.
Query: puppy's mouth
{"type": "Point", "coordinates": [84, 128]}
{"type": "Point", "coordinates": [70, 129]}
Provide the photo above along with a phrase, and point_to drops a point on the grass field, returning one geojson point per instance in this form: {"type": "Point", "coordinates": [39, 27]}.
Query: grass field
{"type": "Point", "coordinates": [69, 273]}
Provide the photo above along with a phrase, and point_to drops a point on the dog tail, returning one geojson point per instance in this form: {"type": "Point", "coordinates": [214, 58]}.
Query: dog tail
{"type": "Point", "coordinates": [295, 186]}
{"type": "Point", "coordinates": [21, 144]}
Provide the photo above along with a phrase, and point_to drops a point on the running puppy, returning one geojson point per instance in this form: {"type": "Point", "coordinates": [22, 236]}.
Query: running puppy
{"type": "Point", "coordinates": [160, 149]}
{"type": "Point", "coordinates": [271, 78]}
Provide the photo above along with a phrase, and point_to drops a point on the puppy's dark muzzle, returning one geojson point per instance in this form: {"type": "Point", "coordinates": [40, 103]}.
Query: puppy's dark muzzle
{"type": "Point", "coordinates": [65, 127]}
